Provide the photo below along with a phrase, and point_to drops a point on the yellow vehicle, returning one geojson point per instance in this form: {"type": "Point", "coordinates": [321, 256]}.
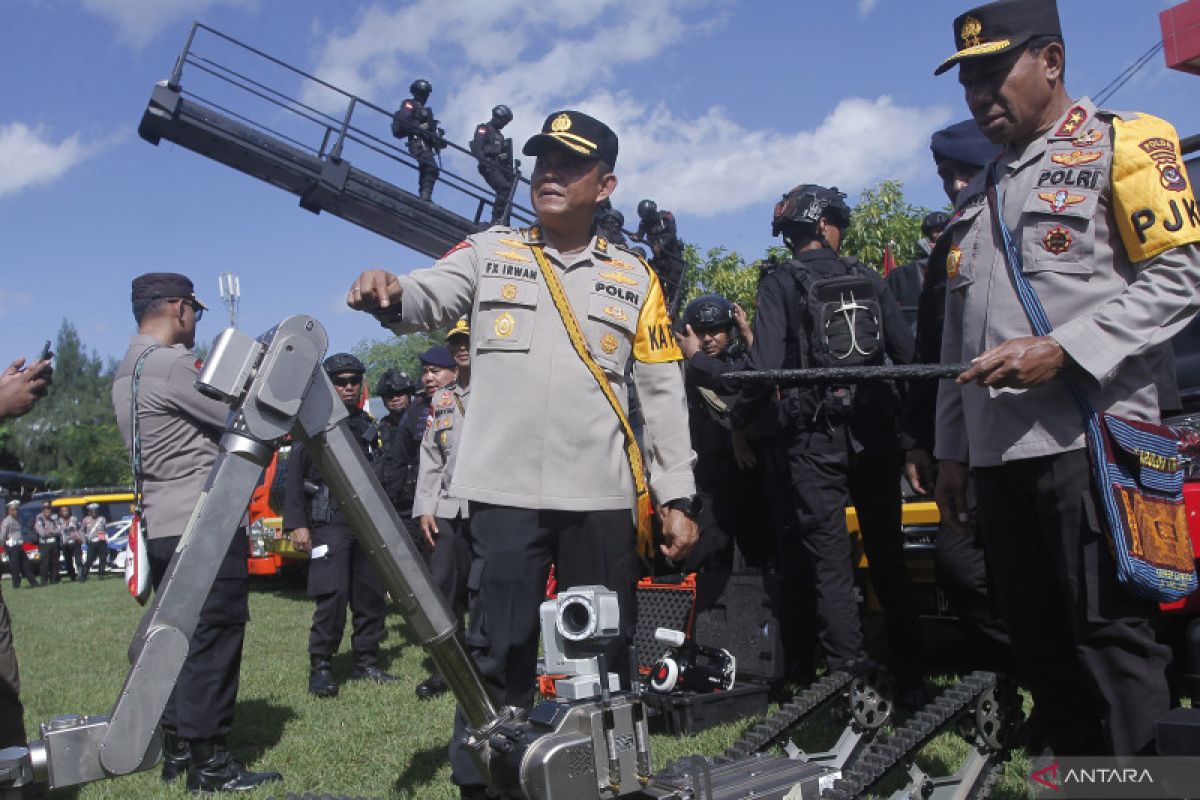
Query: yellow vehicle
{"type": "Point", "coordinates": [919, 522]}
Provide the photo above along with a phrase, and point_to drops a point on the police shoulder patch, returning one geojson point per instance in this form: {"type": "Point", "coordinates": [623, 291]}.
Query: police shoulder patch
{"type": "Point", "coordinates": [654, 342]}
{"type": "Point", "coordinates": [1153, 202]}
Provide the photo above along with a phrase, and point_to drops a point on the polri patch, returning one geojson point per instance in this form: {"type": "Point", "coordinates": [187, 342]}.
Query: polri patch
{"type": "Point", "coordinates": [1058, 240]}
{"type": "Point", "coordinates": [1162, 151]}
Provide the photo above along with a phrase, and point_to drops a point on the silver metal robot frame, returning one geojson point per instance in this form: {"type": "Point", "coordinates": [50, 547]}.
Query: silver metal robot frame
{"type": "Point", "coordinates": [597, 746]}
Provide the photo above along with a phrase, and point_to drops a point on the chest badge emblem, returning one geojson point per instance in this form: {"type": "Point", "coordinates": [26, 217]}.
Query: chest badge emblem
{"type": "Point", "coordinates": [953, 259]}
{"type": "Point", "coordinates": [508, 292]}
{"type": "Point", "coordinates": [608, 343]}
{"type": "Point", "coordinates": [1058, 240]}
{"type": "Point", "coordinates": [504, 326]}
{"type": "Point", "coordinates": [1088, 139]}
{"type": "Point", "coordinates": [619, 278]}
{"type": "Point", "coordinates": [1061, 200]}
{"type": "Point", "coordinates": [1076, 158]}
{"type": "Point", "coordinates": [617, 313]}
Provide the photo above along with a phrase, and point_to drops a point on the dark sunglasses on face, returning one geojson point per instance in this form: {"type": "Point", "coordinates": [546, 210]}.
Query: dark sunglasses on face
{"type": "Point", "coordinates": [195, 307]}
{"type": "Point", "coordinates": [347, 380]}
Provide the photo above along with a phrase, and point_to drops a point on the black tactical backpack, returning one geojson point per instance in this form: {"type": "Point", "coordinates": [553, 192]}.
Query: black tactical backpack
{"type": "Point", "coordinates": [840, 319]}
{"type": "Point", "coordinates": [839, 323]}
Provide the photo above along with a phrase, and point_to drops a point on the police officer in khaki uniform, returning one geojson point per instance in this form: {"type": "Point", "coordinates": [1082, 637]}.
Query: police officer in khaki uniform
{"type": "Point", "coordinates": [444, 519]}
{"type": "Point", "coordinates": [340, 572]}
{"type": "Point", "coordinates": [72, 542]}
{"type": "Point", "coordinates": [177, 434]}
{"type": "Point", "coordinates": [49, 534]}
{"type": "Point", "coordinates": [13, 539]}
{"type": "Point", "coordinates": [93, 527]}
{"type": "Point", "coordinates": [1104, 220]}
{"type": "Point", "coordinates": [550, 470]}
{"type": "Point", "coordinates": [19, 390]}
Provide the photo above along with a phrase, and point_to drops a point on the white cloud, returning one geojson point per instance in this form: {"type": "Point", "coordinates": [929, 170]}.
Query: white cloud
{"type": "Point", "coordinates": [866, 6]}
{"type": "Point", "coordinates": [562, 53]}
{"type": "Point", "coordinates": [29, 158]}
{"type": "Point", "coordinates": [139, 20]}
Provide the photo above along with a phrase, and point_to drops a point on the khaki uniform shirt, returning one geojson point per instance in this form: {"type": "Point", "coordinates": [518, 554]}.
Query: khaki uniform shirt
{"type": "Point", "coordinates": [439, 451]}
{"type": "Point", "coordinates": [10, 531]}
{"type": "Point", "coordinates": [179, 428]}
{"type": "Point", "coordinates": [1106, 224]}
{"type": "Point", "coordinates": [541, 433]}
{"type": "Point", "coordinates": [46, 528]}
{"type": "Point", "coordinates": [93, 528]}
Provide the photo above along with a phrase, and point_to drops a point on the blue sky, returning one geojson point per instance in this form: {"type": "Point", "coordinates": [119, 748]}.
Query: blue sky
{"type": "Point", "coordinates": [720, 106]}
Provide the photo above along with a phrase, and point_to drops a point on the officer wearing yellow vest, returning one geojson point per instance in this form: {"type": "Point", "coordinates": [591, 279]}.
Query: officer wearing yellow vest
{"type": "Point", "coordinates": [1105, 224]}
{"type": "Point", "coordinates": [547, 459]}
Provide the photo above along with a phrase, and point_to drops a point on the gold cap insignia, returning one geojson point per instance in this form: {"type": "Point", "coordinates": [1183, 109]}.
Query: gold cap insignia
{"type": "Point", "coordinates": [608, 343]}
{"type": "Point", "coordinates": [508, 291]}
{"type": "Point", "coordinates": [971, 30]}
{"type": "Point", "coordinates": [504, 326]}
{"type": "Point", "coordinates": [561, 123]}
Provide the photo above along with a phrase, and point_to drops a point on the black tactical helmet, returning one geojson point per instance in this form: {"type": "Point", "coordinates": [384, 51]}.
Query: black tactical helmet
{"type": "Point", "coordinates": [394, 382]}
{"type": "Point", "coordinates": [935, 221]}
{"type": "Point", "coordinates": [804, 206]}
{"type": "Point", "coordinates": [647, 208]}
{"type": "Point", "coordinates": [708, 311]}
{"type": "Point", "coordinates": [338, 363]}
{"type": "Point", "coordinates": [502, 114]}
{"type": "Point", "coordinates": [420, 88]}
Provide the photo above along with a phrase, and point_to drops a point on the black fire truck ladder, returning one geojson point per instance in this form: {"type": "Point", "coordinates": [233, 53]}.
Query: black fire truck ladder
{"type": "Point", "coordinates": [302, 146]}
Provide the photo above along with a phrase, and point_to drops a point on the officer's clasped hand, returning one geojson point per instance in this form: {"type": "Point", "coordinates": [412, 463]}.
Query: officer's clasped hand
{"type": "Point", "coordinates": [374, 290]}
{"type": "Point", "coordinates": [680, 533]}
{"type": "Point", "coordinates": [1017, 364]}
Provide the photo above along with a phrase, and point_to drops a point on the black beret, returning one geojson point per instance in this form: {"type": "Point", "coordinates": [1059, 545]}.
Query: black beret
{"type": "Point", "coordinates": [156, 285]}
{"type": "Point", "coordinates": [438, 356]}
{"type": "Point", "coordinates": [577, 133]}
{"type": "Point", "coordinates": [1000, 27]}
{"type": "Point", "coordinates": [338, 363]}
{"type": "Point", "coordinates": [963, 142]}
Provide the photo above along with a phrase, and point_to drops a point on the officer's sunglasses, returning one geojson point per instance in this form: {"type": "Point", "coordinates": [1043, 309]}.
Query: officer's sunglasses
{"type": "Point", "coordinates": [196, 307]}
{"type": "Point", "coordinates": [347, 380]}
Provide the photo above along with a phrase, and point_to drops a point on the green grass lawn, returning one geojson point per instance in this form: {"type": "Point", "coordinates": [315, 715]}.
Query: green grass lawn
{"type": "Point", "coordinates": [371, 741]}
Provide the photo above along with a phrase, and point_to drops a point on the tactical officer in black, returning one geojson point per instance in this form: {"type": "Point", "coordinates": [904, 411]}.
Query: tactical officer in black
{"type": "Point", "coordinates": [657, 230]}
{"type": "Point", "coordinates": [839, 442]}
{"type": "Point", "coordinates": [729, 477]}
{"type": "Point", "coordinates": [415, 121]}
{"type": "Point", "coordinates": [340, 573]}
{"type": "Point", "coordinates": [396, 390]}
{"type": "Point", "coordinates": [906, 280]}
{"type": "Point", "coordinates": [495, 155]}
{"type": "Point", "coordinates": [610, 222]}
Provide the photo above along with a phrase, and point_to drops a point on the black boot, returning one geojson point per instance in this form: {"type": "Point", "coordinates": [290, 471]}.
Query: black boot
{"type": "Point", "coordinates": [214, 769]}
{"type": "Point", "coordinates": [431, 687]}
{"type": "Point", "coordinates": [320, 678]}
{"type": "Point", "coordinates": [176, 756]}
{"type": "Point", "coordinates": [365, 668]}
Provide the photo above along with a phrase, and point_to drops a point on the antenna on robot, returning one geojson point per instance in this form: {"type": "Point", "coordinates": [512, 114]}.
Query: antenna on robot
{"type": "Point", "coordinates": [230, 288]}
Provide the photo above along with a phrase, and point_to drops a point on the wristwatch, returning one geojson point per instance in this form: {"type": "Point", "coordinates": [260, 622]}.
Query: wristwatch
{"type": "Point", "coordinates": [688, 505]}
